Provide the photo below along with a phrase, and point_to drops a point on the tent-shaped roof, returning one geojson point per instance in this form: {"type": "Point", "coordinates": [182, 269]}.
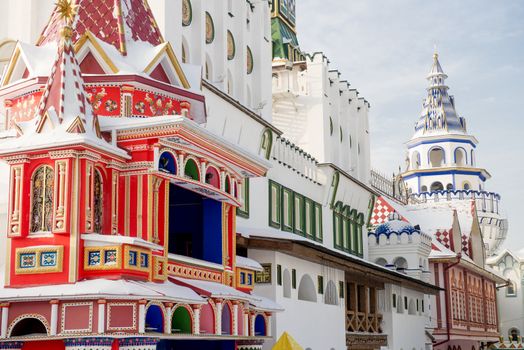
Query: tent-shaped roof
{"type": "Point", "coordinates": [286, 342]}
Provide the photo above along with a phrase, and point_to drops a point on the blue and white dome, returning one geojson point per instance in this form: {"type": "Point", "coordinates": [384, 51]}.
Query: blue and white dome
{"type": "Point", "coordinates": [394, 226]}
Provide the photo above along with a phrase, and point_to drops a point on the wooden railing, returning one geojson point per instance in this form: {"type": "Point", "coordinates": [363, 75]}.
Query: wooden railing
{"type": "Point", "coordinates": [362, 322]}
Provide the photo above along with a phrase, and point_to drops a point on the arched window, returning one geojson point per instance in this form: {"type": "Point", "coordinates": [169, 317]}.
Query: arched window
{"type": "Point", "coordinates": [415, 160]}
{"type": "Point", "coordinates": [287, 283]}
{"type": "Point", "coordinates": [306, 289]}
{"type": "Point", "coordinates": [466, 185]}
{"type": "Point", "coordinates": [98, 198]}
{"type": "Point", "coordinates": [400, 264]}
{"type": "Point", "coordinates": [511, 289]}
{"type": "Point", "coordinates": [228, 184]}
{"type": "Point", "coordinates": [42, 186]}
{"type": "Point", "coordinates": [191, 170]}
{"type": "Point", "coordinates": [29, 326]}
{"type": "Point", "coordinates": [460, 156]}
{"type": "Point", "coordinates": [436, 157]}
{"type": "Point", "coordinates": [331, 297]}
{"type": "Point", "coordinates": [513, 334]}
{"type": "Point", "coordinates": [424, 189]}
{"type": "Point", "coordinates": [167, 163]}
{"type": "Point", "coordinates": [266, 143]}
{"type": "Point", "coordinates": [437, 186]}
{"type": "Point", "coordinates": [212, 177]}
{"type": "Point", "coordinates": [381, 262]}
{"type": "Point", "coordinates": [449, 187]}
{"type": "Point", "coordinates": [185, 51]}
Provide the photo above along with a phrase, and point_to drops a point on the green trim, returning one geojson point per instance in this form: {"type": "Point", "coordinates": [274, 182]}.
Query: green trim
{"type": "Point", "coordinates": [288, 227]}
{"type": "Point", "coordinates": [278, 188]}
{"type": "Point", "coordinates": [234, 48]}
{"type": "Point", "coordinates": [341, 289]}
{"type": "Point", "coordinates": [293, 278]}
{"type": "Point", "coordinates": [299, 223]}
{"type": "Point", "coordinates": [309, 230]}
{"type": "Point", "coordinates": [330, 126]}
{"type": "Point", "coordinates": [266, 143]}
{"type": "Point", "coordinates": [334, 185]}
{"type": "Point", "coordinates": [341, 135]}
{"type": "Point", "coordinates": [212, 38]}
{"type": "Point", "coordinates": [279, 275]}
{"type": "Point", "coordinates": [318, 224]}
{"type": "Point", "coordinates": [320, 280]}
{"type": "Point", "coordinates": [243, 211]}
{"type": "Point", "coordinates": [190, 20]}
{"type": "Point", "coordinates": [250, 61]}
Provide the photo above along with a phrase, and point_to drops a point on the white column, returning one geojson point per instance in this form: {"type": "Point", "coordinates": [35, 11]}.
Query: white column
{"type": "Point", "coordinates": [218, 321]}
{"type": "Point", "coordinates": [169, 315]}
{"type": "Point", "coordinates": [180, 166]}
{"type": "Point", "coordinates": [5, 316]}
{"type": "Point", "coordinates": [203, 166]}
{"type": "Point", "coordinates": [252, 325]}
{"type": "Point", "coordinates": [101, 316]}
{"type": "Point", "coordinates": [235, 319]}
{"type": "Point", "coordinates": [246, 324]}
{"type": "Point", "coordinates": [54, 317]}
{"type": "Point", "coordinates": [268, 326]}
{"type": "Point", "coordinates": [196, 320]}
{"type": "Point", "coordinates": [142, 316]}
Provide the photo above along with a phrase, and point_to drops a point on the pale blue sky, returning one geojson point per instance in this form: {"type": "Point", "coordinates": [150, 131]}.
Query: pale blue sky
{"type": "Point", "coordinates": [384, 49]}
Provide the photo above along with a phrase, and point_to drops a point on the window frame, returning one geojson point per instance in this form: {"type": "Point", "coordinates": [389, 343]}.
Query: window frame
{"type": "Point", "coordinates": [243, 211]}
{"type": "Point", "coordinates": [275, 200]}
{"type": "Point", "coordinates": [287, 226]}
{"type": "Point", "coordinates": [299, 221]}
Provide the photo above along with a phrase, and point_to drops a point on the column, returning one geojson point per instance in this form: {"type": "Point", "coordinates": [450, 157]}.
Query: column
{"type": "Point", "coordinates": [196, 319]}
{"type": "Point", "coordinates": [5, 319]}
{"type": "Point", "coordinates": [218, 318]}
{"type": "Point", "coordinates": [169, 316]}
{"type": "Point", "coordinates": [203, 169]}
{"type": "Point", "coordinates": [235, 318]}
{"type": "Point", "coordinates": [101, 316]}
{"type": "Point", "coordinates": [54, 317]}
{"type": "Point", "coordinates": [246, 324]}
{"type": "Point", "coordinates": [181, 168]}
{"type": "Point", "coordinates": [142, 316]}
{"type": "Point", "coordinates": [268, 325]}
{"type": "Point", "coordinates": [252, 316]}
{"type": "Point", "coordinates": [223, 179]}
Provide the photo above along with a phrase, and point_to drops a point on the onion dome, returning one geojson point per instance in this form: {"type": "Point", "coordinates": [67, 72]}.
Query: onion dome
{"type": "Point", "coordinates": [438, 114]}
{"type": "Point", "coordinates": [395, 226]}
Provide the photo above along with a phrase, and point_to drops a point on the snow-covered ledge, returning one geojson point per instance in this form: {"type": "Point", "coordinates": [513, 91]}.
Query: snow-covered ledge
{"type": "Point", "coordinates": [95, 239]}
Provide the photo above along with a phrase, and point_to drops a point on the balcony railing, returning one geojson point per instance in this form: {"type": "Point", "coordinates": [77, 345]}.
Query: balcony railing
{"type": "Point", "coordinates": [485, 201]}
{"type": "Point", "coordinates": [362, 322]}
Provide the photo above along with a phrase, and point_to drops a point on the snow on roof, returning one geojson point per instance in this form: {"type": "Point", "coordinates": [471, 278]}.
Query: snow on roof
{"type": "Point", "coordinates": [39, 59]}
{"type": "Point", "coordinates": [247, 263]}
{"type": "Point", "coordinates": [216, 290]}
{"type": "Point", "coordinates": [100, 288]}
{"type": "Point", "coordinates": [265, 304]}
{"type": "Point", "coordinates": [119, 239]}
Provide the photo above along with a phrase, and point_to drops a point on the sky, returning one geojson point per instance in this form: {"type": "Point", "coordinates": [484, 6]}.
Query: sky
{"type": "Point", "coordinates": [384, 49]}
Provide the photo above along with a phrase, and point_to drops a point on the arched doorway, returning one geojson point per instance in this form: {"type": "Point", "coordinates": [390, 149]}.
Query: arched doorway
{"type": "Point", "coordinates": [260, 326]}
{"type": "Point", "coordinates": [306, 289]}
{"type": "Point", "coordinates": [207, 319]}
{"type": "Point", "coordinates": [213, 177]}
{"type": "Point", "coordinates": [181, 322]}
{"type": "Point", "coordinates": [226, 319]}
{"type": "Point", "coordinates": [154, 319]}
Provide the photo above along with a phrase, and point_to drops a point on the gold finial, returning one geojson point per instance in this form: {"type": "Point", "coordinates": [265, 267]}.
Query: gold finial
{"type": "Point", "coordinates": [67, 10]}
{"type": "Point", "coordinates": [435, 53]}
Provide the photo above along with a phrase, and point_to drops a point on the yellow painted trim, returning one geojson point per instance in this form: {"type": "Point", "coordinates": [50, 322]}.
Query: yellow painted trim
{"type": "Point", "coordinates": [140, 213]}
{"type": "Point", "coordinates": [38, 253]}
{"type": "Point", "coordinates": [149, 208]}
{"type": "Point", "coordinates": [12, 65]}
{"type": "Point", "coordinates": [157, 260]}
{"type": "Point", "coordinates": [127, 205]}
{"type": "Point", "coordinates": [166, 219]}
{"type": "Point", "coordinates": [88, 36]}
{"type": "Point", "coordinates": [42, 122]}
{"type": "Point", "coordinates": [245, 285]}
{"type": "Point", "coordinates": [168, 50]}
{"type": "Point", "coordinates": [103, 265]}
{"type": "Point", "coordinates": [138, 266]}
{"type": "Point", "coordinates": [73, 241]}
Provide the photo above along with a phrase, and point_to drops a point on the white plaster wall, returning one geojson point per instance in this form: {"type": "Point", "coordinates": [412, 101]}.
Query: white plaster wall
{"type": "Point", "coordinates": [404, 330]}
{"type": "Point", "coordinates": [314, 325]}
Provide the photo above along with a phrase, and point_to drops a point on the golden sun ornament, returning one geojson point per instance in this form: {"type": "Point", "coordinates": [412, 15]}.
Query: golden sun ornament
{"type": "Point", "coordinates": [67, 10]}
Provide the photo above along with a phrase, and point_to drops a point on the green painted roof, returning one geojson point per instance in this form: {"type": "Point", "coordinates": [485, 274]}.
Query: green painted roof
{"type": "Point", "coordinates": [281, 36]}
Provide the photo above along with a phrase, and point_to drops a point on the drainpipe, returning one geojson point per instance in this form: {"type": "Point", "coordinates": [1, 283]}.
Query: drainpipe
{"type": "Point", "coordinates": [446, 287]}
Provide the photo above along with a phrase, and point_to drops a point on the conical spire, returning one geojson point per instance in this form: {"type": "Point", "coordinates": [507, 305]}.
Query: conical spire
{"type": "Point", "coordinates": [112, 21]}
{"type": "Point", "coordinates": [438, 114]}
{"type": "Point", "coordinates": [64, 100]}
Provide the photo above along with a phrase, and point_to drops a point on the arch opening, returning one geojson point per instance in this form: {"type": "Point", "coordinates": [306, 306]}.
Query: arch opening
{"type": "Point", "coordinates": [28, 326]}
{"type": "Point", "coordinates": [213, 177]}
{"type": "Point", "coordinates": [260, 325]}
{"type": "Point", "coordinates": [436, 157]}
{"type": "Point", "coordinates": [226, 320]}
{"type": "Point", "coordinates": [154, 319]}
{"type": "Point", "coordinates": [437, 186]}
{"type": "Point", "coordinates": [306, 289]}
{"type": "Point", "coordinates": [401, 264]}
{"type": "Point", "coordinates": [181, 322]}
{"type": "Point", "coordinates": [331, 297]}
{"type": "Point", "coordinates": [191, 170]}
{"type": "Point", "coordinates": [167, 163]}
